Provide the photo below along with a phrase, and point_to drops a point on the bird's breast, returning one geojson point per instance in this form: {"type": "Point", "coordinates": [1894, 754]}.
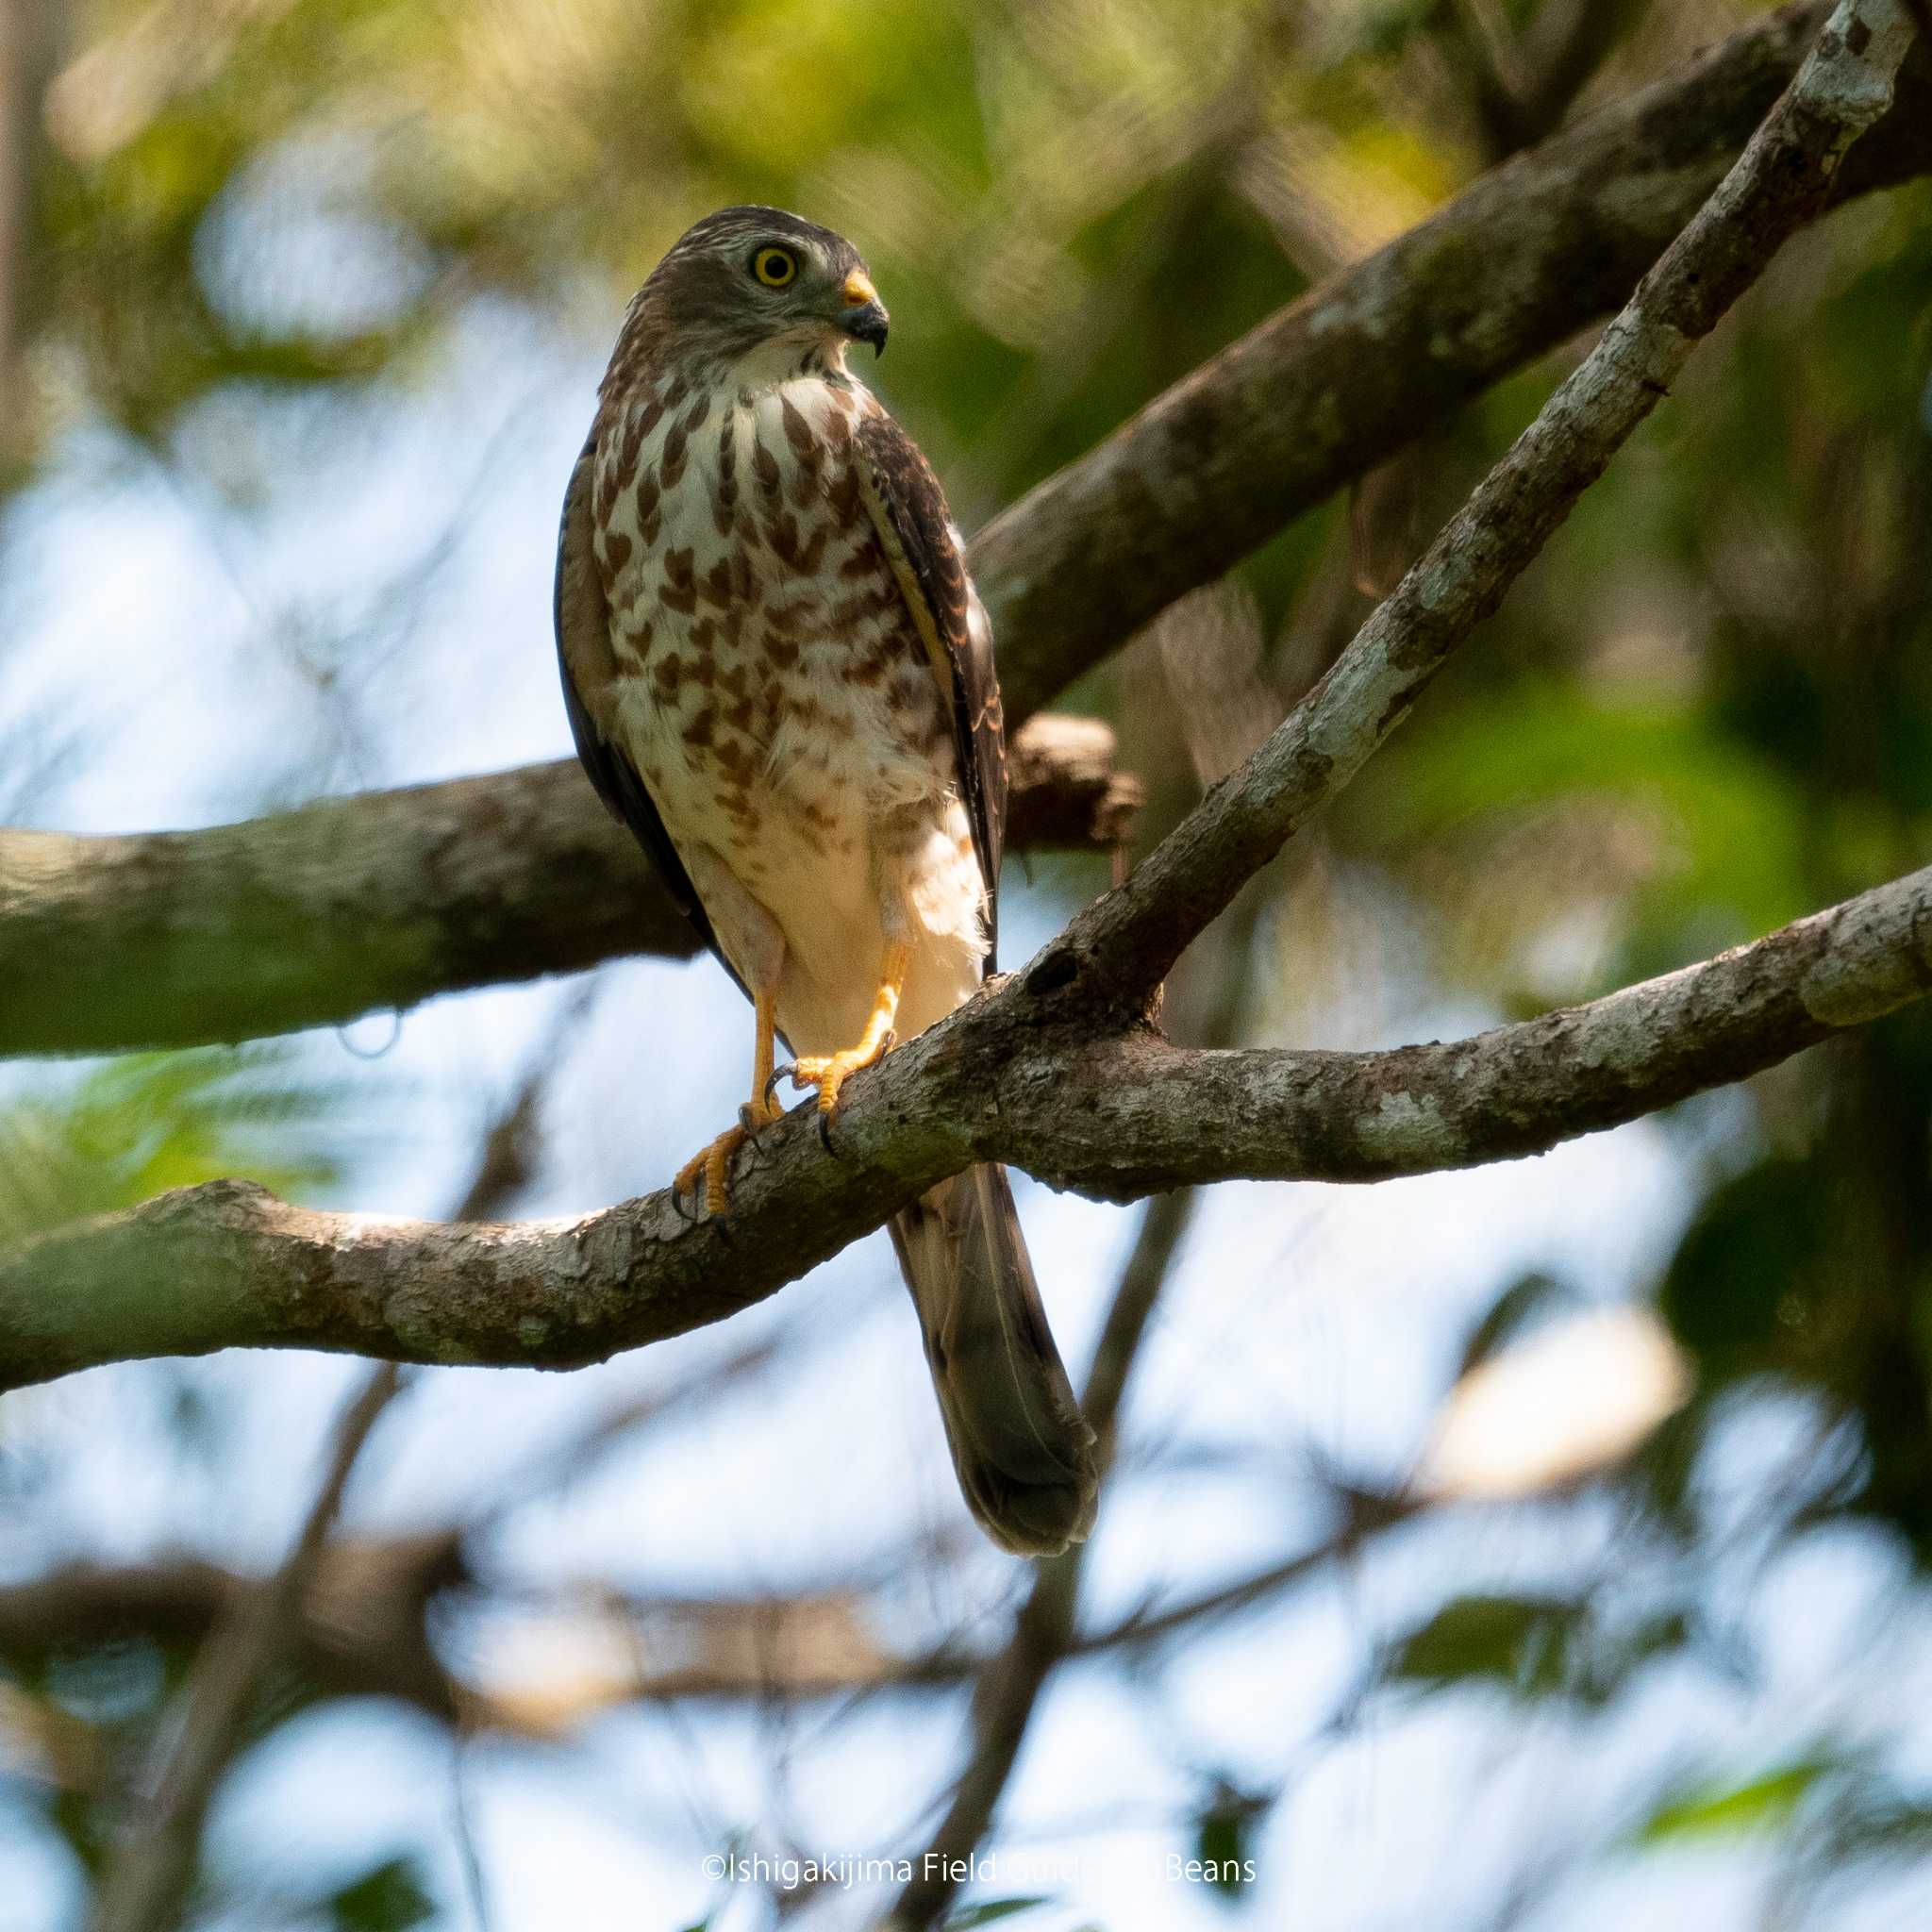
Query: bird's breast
{"type": "Point", "coordinates": [770, 677]}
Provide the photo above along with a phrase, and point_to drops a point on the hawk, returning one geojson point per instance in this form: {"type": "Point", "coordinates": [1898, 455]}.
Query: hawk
{"type": "Point", "coordinates": [779, 676]}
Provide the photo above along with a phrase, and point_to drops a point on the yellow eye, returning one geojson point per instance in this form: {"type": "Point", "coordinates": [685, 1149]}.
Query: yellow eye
{"type": "Point", "coordinates": [775, 267]}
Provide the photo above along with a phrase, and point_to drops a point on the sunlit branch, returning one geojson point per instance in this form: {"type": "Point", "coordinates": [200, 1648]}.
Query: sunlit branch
{"type": "Point", "coordinates": [229, 1265]}
{"type": "Point", "coordinates": [313, 917]}
{"type": "Point", "coordinates": [351, 905]}
{"type": "Point", "coordinates": [1055, 1069]}
{"type": "Point", "coordinates": [1126, 942]}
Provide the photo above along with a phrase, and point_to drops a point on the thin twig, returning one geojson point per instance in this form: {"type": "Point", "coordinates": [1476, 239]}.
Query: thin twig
{"type": "Point", "coordinates": [154, 1868]}
{"type": "Point", "coordinates": [1044, 1633]}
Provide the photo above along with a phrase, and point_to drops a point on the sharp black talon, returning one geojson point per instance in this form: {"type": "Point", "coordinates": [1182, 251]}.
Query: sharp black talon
{"type": "Point", "coordinates": [691, 1214]}
{"type": "Point", "coordinates": [825, 1131]}
{"type": "Point", "coordinates": [777, 1074]}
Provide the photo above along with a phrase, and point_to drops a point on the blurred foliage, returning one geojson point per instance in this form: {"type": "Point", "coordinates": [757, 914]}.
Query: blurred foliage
{"type": "Point", "coordinates": [991, 1912]}
{"type": "Point", "coordinates": [1034, 187]}
{"type": "Point", "coordinates": [389, 1897]}
{"type": "Point", "coordinates": [1760, 1804]}
{"type": "Point", "coordinates": [1537, 1647]}
{"type": "Point", "coordinates": [135, 1126]}
{"type": "Point", "coordinates": [1729, 726]}
{"type": "Point", "coordinates": [1224, 1838]}
{"type": "Point", "coordinates": [1708, 709]}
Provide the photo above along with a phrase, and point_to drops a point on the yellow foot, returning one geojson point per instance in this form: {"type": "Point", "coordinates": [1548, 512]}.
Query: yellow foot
{"type": "Point", "coordinates": [829, 1072]}
{"type": "Point", "coordinates": [713, 1165]}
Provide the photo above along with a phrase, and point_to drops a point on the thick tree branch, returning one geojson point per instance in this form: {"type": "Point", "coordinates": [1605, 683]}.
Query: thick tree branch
{"type": "Point", "coordinates": [229, 1265]}
{"type": "Point", "coordinates": [366, 1630]}
{"type": "Point", "coordinates": [306, 917]}
{"type": "Point", "coordinates": [1125, 943]}
{"type": "Point", "coordinates": [1055, 1070]}
{"type": "Point", "coordinates": [313, 917]}
{"type": "Point", "coordinates": [1337, 382]}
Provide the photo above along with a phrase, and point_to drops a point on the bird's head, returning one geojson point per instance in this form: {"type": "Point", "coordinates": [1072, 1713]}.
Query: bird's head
{"type": "Point", "coordinates": [746, 276]}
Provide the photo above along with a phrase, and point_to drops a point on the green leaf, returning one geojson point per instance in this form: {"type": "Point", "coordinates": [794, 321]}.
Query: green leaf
{"type": "Point", "coordinates": [387, 1897]}
{"type": "Point", "coordinates": [1526, 1301]}
{"type": "Point", "coordinates": [1518, 1641]}
{"type": "Point", "coordinates": [1747, 1262]}
{"type": "Point", "coordinates": [991, 1910]}
{"type": "Point", "coordinates": [1717, 1810]}
{"type": "Point", "coordinates": [143, 1123]}
{"type": "Point", "coordinates": [1220, 1844]}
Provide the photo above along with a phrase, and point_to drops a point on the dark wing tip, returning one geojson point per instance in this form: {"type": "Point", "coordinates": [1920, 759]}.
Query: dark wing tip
{"type": "Point", "coordinates": [922, 527]}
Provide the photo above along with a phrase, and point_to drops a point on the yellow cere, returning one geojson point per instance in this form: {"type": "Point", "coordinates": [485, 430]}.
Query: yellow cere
{"type": "Point", "coordinates": [859, 288]}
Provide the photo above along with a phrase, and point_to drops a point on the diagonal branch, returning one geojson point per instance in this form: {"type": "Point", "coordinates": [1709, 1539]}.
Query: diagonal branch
{"type": "Point", "coordinates": [229, 1265]}
{"type": "Point", "coordinates": [1055, 1069]}
{"type": "Point", "coordinates": [1338, 381]}
{"type": "Point", "coordinates": [1783, 180]}
{"type": "Point", "coordinates": [312, 917]}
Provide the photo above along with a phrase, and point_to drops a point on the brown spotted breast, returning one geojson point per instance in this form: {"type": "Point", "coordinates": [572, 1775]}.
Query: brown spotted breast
{"type": "Point", "coordinates": [773, 690]}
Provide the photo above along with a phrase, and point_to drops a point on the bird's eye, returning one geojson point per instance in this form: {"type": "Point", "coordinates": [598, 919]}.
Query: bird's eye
{"type": "Point", "coordinates": [775, 267]}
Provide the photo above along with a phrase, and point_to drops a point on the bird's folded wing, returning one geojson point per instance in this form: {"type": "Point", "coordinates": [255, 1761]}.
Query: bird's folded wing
{"type": "Point", "coordinates": [908, 511]}
{"type": "Point", "coordinates": [589, 664]}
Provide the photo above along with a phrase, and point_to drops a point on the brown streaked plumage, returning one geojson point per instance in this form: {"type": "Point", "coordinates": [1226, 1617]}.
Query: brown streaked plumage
{"type": "Point", "coordinates": [778, 675]}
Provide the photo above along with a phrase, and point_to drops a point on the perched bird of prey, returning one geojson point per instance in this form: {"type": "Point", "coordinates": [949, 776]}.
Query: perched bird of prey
{"type": "Point", "coordinates": [780, 678]}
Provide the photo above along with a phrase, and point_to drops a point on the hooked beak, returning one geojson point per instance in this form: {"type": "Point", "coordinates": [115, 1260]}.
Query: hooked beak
{"type": "Point", "coordinates": [863, 317]}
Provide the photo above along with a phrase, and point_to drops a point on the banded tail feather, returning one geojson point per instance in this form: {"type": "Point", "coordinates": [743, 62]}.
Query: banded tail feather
{"type": "Point", "coordinates": [1023, 1450]}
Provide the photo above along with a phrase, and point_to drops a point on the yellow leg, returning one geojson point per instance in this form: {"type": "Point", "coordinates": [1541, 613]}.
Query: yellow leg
{"type": "Point", "coordinates": [714, 1162]}
{"type": "Point", "coordinates": [829, 1072]}
{"type": "Point", "coordinates": [766, 1006]}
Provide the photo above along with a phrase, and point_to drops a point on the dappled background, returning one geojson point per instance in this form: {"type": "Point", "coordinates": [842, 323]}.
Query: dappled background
{"type": "Point", "coordinates": [1544, 1546]}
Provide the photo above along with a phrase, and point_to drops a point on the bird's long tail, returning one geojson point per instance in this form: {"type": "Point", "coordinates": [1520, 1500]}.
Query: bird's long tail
{"type": "Point", "coordinates": [1023, 1450]}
